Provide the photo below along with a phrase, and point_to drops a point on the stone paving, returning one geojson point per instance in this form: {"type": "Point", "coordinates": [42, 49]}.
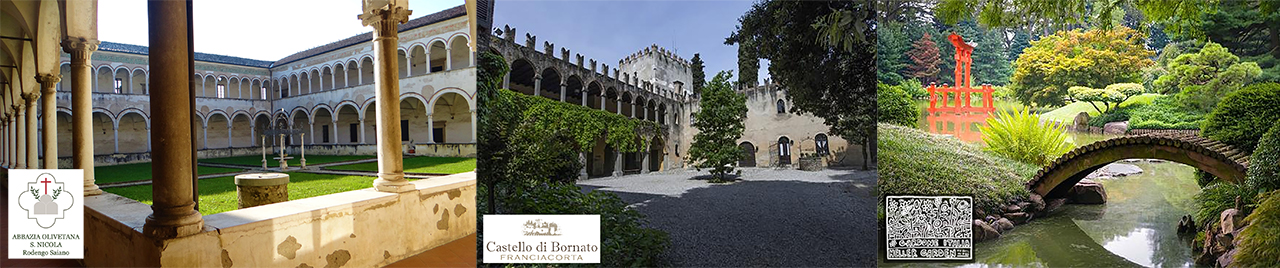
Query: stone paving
{"type": "Point", "coordinates": [766, 218]}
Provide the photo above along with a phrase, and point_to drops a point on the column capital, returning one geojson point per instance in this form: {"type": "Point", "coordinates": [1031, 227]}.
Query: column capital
{"type": "Point", "coordinates": [73, 45]}
{"type": "Point", "coordinates": [48, 82]}
{"type": "Point", "coordinates": [31, 97]}
{"type": "Point", "coordinates": [385, 20]}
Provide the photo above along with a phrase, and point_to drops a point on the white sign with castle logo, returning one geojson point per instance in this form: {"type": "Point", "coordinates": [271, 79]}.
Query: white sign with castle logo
{"type": "Point", "coordinates": [46, 214]}
{"type": "Point", "coordinates": [541, 239]}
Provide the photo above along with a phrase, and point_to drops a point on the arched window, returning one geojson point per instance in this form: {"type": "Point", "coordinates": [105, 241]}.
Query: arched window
{"type": "Point", "coordinates": [784, 151]}
{"type": "Point", "coordinates": [784, 146]}
{"type": "Point", "coordinates": [820, 142]}
{"type": "Point", "coordinates": [692, 119]}
{"type": "Point", "coordinates": [222, 91]}
{"type": "Point", "coordinates": [782, 107]}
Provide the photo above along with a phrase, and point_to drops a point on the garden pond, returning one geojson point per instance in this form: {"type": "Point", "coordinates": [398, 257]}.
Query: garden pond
{"type": "Point", "coordinates": [1136, 227]}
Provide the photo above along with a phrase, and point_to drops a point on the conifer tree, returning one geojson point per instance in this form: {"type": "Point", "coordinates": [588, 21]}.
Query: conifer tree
{"type": "Point", "coordinates": [924, 60]}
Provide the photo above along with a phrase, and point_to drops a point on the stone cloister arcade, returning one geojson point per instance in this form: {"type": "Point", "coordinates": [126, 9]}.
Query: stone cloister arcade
{"type": "Point", "coordinates": [443, 55]}
{"type": "Point", "coordinates": [541, 73]}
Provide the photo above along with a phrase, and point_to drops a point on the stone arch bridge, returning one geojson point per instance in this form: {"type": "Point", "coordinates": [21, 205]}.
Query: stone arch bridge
{"type": "Point", "coordinates": [1219, 159]}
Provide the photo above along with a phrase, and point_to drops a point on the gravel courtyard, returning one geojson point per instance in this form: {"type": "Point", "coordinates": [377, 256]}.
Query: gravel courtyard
{"type": "Point", "coordinates": [767, 218]}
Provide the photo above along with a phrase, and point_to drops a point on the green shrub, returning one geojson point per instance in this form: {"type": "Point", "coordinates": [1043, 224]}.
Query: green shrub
{"type": "Point", "coordinates": [1002, 93]}
{"type": "Point", "coordinates": [895, 107]}
{"type": "Point", "coordinates": [1203, 77]}
{"type": "Point", "coordinates": [914, 89]}
{"type": "Point", "coordinates": [1264, 168]}
{"type": "Point", "coordinates": [952, 167]}
{"type": "Point", "coordinates": [1019, 135]}
{"type": "Point", "coordinates": [1241, 117]}
{"type": "Point", "coordinates": [1221, 195]}
{"type": "Point", "coordinates": [1260, 241]}
{"type": "Point", "coordinates": [1164, 113]}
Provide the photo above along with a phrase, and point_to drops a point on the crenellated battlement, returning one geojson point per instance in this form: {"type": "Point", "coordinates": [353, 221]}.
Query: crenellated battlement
{"type": "Point", "coordinates": [655, 51]}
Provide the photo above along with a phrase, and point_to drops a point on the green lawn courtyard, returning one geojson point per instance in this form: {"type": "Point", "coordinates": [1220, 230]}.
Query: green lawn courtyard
{"type": "Point", "coordinates": [139, 172]}
{"type": "Point", "coordinates": [421, 164]}
{"type": "Point", "coordinates": [256, 160]}
{"type": "Point", "coordinates": [218, 195]}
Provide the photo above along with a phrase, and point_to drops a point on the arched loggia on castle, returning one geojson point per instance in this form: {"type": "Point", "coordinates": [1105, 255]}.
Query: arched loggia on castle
{"type": "Point", "coordinates": [70, 100]}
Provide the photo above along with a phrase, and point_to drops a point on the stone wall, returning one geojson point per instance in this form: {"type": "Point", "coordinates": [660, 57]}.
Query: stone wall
{"type": "Point", "coordinates": [345, 229]}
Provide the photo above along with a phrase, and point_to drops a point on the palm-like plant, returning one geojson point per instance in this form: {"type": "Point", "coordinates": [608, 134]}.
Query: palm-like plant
{"type": "Point", "coordinates": [1019, 135]}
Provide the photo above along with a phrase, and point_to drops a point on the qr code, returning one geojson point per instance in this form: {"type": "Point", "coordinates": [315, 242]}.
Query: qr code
{"type": "Point", "coordinates": [929, 227]}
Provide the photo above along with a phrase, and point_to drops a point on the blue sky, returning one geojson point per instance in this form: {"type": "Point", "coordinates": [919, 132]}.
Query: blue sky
{"type": "Point", "coordinates": [610, 30]}
{"type": "Point", "coordinates": [257, 29]}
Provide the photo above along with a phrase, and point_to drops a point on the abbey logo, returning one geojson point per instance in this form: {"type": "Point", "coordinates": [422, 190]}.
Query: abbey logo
{"type": "Point", "coordinates": [46, 214]}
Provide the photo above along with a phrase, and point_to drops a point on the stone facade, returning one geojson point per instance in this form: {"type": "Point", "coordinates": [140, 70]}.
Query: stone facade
{"type": "Point", "coordinates": [327, 92]}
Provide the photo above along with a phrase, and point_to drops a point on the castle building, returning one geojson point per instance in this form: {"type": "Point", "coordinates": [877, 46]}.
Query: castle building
{"type": "Point", "coordinates": [654, 84]}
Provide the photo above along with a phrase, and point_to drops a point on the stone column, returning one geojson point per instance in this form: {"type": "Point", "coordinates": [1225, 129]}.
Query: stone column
{"type": "Point", "coordinates": [617, 163]}
{"type": "Point", "coordinates": [386, 39]}
{"type": "Point", "coordinates": [115, 132]}
{"type": "Point", "coordinates": [253, 131]}
{"type": "Point", "coordinates": [431, 130]}
{"type": "Point", "coordinates": [618, 106]}
{"type": "Point", "coordinates": [229, 134]}
{"type": "Point", "coordinates": [584, 98]}
{"type": "Point", "coordinates": [644, 162]}
{"type": "Point", "coordinates": [311, 128]}
{"type": "Point", "coordinates": [173, 211]}
{"type": "Point", "coordinates": [361, 131]}
{"type": "Point", "coordinates": [33, 157]}
{"type": "Point", "coordinates": [537, 85]}
{"type": "Point", "coordinates": [4, 140]}
{"type": "Point", "coordinates": [506, 81]}
{"type": "Point", "coordinates": [48, 85]}
{"type": "Point", "coordinates": [204, 139]}
{"type": "Point", "coordinates": [602, 98]}
{"type": "Point", "coordinates": [448, 58]}
{"type": "Point", "coordinates": [473, 126]}
{"type": "Point", "coordinates": [563, 90]}
{"type": "Point", "coordinates": [582, 172]}
{"type": "Point", "coordinates": [632, 106]}
{"type": "Point", "coordinates": [335, 131]}
{"type": "Point", "coordinates": [81, 50]}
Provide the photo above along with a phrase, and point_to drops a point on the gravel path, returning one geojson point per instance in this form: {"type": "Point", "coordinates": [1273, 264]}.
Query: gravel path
{"type": "Point", "coordinates": [767, 218]}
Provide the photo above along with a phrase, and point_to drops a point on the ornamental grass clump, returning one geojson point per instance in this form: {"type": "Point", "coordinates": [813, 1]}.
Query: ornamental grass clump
{"type": "Point", "coordinates": [1019, 135]}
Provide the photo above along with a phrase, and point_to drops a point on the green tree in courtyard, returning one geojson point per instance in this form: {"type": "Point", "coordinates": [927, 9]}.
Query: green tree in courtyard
{"type": "Point", "coordinates": [1094, 58]}
{"type": "Point", "coordinates": [832, 82]}
{"type": "Point", "coordinates": [924, 59]}
{"type": "Point", "coordinates": [720, 124]}
{"type": "Point", "coordinates": [699, 75]}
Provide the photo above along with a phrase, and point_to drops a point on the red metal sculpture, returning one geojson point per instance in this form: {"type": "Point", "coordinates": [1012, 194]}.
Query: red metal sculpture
{"type": "Point", "coordinates": [963, 90]}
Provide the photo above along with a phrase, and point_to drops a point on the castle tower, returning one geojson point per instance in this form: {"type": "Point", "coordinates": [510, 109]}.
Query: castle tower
{"type": "Point", "coordinates": [659, 67]}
